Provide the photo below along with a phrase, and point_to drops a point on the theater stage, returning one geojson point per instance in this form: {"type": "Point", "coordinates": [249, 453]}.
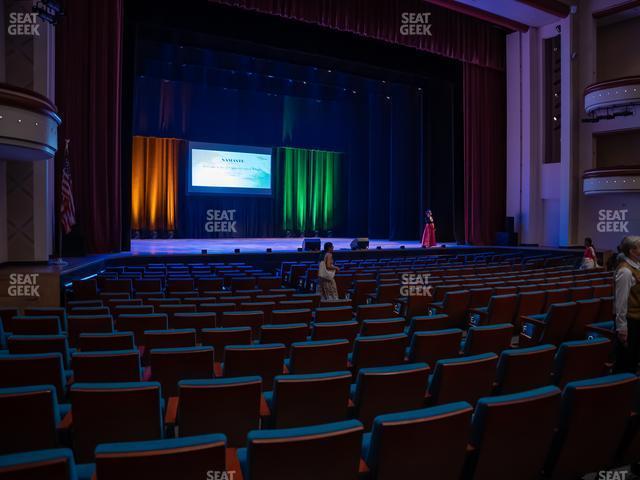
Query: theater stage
{"type": "Point", "coordinates": [185, 246]}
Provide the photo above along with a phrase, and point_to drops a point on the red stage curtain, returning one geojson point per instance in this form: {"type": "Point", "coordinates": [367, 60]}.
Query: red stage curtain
{"type": "Point", "coordinates": [154, 183]}
{"type": "Point", "coordinates": [88, 96]}
{"type": "Point", "coordinates": [484, 106]}
{"type": "Point", "coordinates": [454, 35]}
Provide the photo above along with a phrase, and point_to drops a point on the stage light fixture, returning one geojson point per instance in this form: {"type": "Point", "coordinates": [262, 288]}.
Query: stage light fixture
{"type": "Point", "coordinates": [378, 247]}
{"type": "Point", "coordinates": [203, 251]}
{"type": "Point", "coordinates": [401, 247]}
{"type": "Point", "coordinates": [299, 249]}
{"type": "Point", "coordinates": [269, 250]}
{"type": "Point", "coordinates": [237, 250]}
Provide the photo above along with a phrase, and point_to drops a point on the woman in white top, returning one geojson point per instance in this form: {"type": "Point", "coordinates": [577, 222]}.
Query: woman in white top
{"type": "Point", "coordinates": [327, 287]}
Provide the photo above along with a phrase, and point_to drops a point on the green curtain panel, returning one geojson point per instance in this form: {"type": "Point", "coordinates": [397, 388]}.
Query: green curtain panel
{"type": "Point", "coordinates": [310, 189]}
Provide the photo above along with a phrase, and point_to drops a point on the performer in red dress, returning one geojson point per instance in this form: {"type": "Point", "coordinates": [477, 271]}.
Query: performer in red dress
{"type": "Point", "coordinates": [429, 233]}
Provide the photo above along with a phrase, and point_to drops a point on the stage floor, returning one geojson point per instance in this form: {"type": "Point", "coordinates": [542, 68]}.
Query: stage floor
{"type": "Point", "coordinates": [189, 246]}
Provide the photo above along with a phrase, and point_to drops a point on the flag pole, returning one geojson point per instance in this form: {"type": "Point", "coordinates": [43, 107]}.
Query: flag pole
{"type": "Point", "coordinates": [58, 260]}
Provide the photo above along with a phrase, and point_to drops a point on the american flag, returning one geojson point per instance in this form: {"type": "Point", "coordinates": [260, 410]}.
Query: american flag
{"type": "Point", "coordinates": [67, 207]}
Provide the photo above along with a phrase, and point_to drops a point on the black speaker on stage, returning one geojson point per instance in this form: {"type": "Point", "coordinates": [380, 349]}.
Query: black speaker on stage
{"type": "Point", "coordinates": [361, 243]}
{"type": "Point", "coordinates": [311, 244]}
{"type": "Point", "coordinates": [509, 224]}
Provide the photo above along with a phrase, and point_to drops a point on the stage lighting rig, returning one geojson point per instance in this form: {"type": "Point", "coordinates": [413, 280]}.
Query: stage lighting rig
{"type": "Point", "coordinates": [48, 10]}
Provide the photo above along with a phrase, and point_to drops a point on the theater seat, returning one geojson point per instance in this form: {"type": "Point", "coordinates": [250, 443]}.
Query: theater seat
{"type": "Point", "coordinates": [455, 304]}
{"type": "Point", "coordinates": [106, 366]}
{"type": "Point", "coordinates": [389, 389]}
{"type": "Point", "coordinates": [32, 325]}
{"type": "Point", "coordinates": [552, 327]}
{"type": "Point", "coordinates": [318, 356]}
{"type": "Point", "coordinates": [221, 405]}
{"type": "Point", "coordinates": [34, 369]}
{"type": "Point", "coordinates": [581, 359]}
{"type": "Point", "coordinates": [265, 360]}
{"type": "Point", "coordinates": [178, 338]}
{"type": "Point", "coordinates": [376, 310]}
{"type": "Point", "coordinates": [190, 458]}
{"type": "Point", "coordinates": [586, 314]}
{"type": "Point", "coordinates": [249, 318]}
{"type": "Point", "coordinates": [335, 330]}
{"type": "Point", "coordinates": [79, 324]}
{"type": "Point", "coordinates": [429, 347]}
{"type": "Point", "coordinates": [382, 326]}
{"type": "Point", "coordinates": [113, 412]}
{"type": "Point", "coordinates": [293, 315]}
{"type": "Point", "coordinates": [512, 433]}
{"type": "Point", "coordinates": [379, 351]}
{"type": "Point", "coordinates": [29, 419]}
{"type": "Point", "coordinates": [431, 440]}
{"type": "Point", "coordinates": [55, 464]}
{"type": "Point", "coordinates": [309, 399]}
{"type": "Point", "coordinates": [429, 323]}
{"type": "Point", "coordinates": [170, 365]}
{"type": "Point", "coordinates": [29, 344]}
{"type": "Point", "coordinates": [462, 379]}
{"type": "Point", "coordinates": [488, 338]}
{"type": "Point", "coordinates": [501, 309]}
{"type": "Point", "coordinates": [91, 342]}
{"type": "Point", "coordinates": [333, 314]}
{"type": "Point", "coordinates": [593, 416]}
{"type": "Point", "coordinates": [285, 333]}
{"type": "Point", "coordinates": [219, 338]}
{"type": "Point", "coordinates": [139, 323]}
{"type": "Point", "coordinates": [307, 453]}
{"type": "Point", "coordinates": [521, 369]}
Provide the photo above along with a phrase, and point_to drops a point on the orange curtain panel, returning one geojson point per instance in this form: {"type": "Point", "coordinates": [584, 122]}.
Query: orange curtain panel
{"type": "Point", "coordinates": [154, 183]}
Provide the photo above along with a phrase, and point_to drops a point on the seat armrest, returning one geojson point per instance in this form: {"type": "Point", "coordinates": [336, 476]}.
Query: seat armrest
{"type": "Point", "coordinates": [217, 369]}
{"type": "Point", "coordinates": [265, 411]}
{"type": "Point", "coordinates": [172, 412]}
{"type": "Point", "coordinates": [233, 464]}
{"type": "Point", "coordinates": [535, 321]}
{"type": "Point", "coordinates": [363, 469]}
{"type": "Point", "coordinates": [66, 423]}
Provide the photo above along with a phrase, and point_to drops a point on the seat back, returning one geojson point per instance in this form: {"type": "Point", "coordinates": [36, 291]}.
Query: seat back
{"type": "Point", "coordinates": [558, 295]}
{"type": "Point", "coordinates": [32, 325]}
{"type": "Point", "coordinates": [118, 412]}
{"type": "Point", "coordinates": [502, 309]}
{"type": "Point", "coordinates": [34, 369]}
{"type": "Point", "coordinates": [429, 323]}
{"type": "Point", "coordinates": [382, 326]}
{"type": "Point", "coordinates": [335, 330]}
{"type": "Point", "coordinates": [523, 369]}
{"type": "Point", "coordinates": [78, 324]}
{"type": "Point", "coordinates": [285, 334]}
{"type": "Point", "coordinates": [309, 399]}
{"type": "Point", "coordinates": [429, 347]}
{"type": "Point", "coordinates": [106, 366]}
{"type": "Point", "coordinates": [265, 360]}
{"type": "Point", "coordinates": [118, 310]}
{"type": "Point", "coordinates": [373, 386]}
{"type": "Point", "coordinates": [91, 342]}
{"type": "Point", "coordinates": [219, 338]}
{"type": "Point", "coordinates": [221, 405]}
{"type": "Point", "coordinates": [479, 297]}
{"type": "Point", "coordinates": [54, 464]}
{"type": "Point", "coordinates": [586, 314]}
{"type": "Point", "coordinates": [605, 314]}
{"type": "Point", "coordinates": [455, 305]}
{"type": "Point", "coordinates": [580, 293]}
{"type": "Point", "coordinates": [139, 323]}
{"type": "Point", "coordinates": [529, 303]}
{"type": "Point", "coordinates": [398, 442]}
{"type": "Point", "coordinates": [184, 337]}
{"type": "Point", "coordinates": [379, 351]}
{"type": "Point", "coordinates": [253, 319]}
{"type": "Point", "coordinates": [559, 322]}
{"type": "Point", "coordinates": [462, 379]}
{"type": "Point", "coordinates": [593, 416]}
{"type": "Point", "coordinates": [488, 338]}
{"type": "Point", "coordinates": [304, 452]}
{"type": "Point", "coordinates": [190, 458]}
{"type": "Point", "coordinates": [375, 310]}
{"type": "Point", "coordinates": [581, 359]}
{"type": "Point", "coordinates": [512, 433]}
{"type": "Point", "coordinates": [29, 344]}
{"type": "Point", "coordinates": [31, 416]}
{"type": "Point", "coordinates": [319, 356]}
{"type": "Point", "coordinates": [170, 365]}
{"type": "Point", "coordinates": [292, 315]}
{"type": "Point", "coordinates": [333, 314]}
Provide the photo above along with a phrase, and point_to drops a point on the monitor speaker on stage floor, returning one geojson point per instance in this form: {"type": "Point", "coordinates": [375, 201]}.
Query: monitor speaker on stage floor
{"type": "Point", "coordinates": [311, 244]}
{"type": "Point", "coordinates": [361, 243]}
{"type": "Point", "coordinates": [508, 239]}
